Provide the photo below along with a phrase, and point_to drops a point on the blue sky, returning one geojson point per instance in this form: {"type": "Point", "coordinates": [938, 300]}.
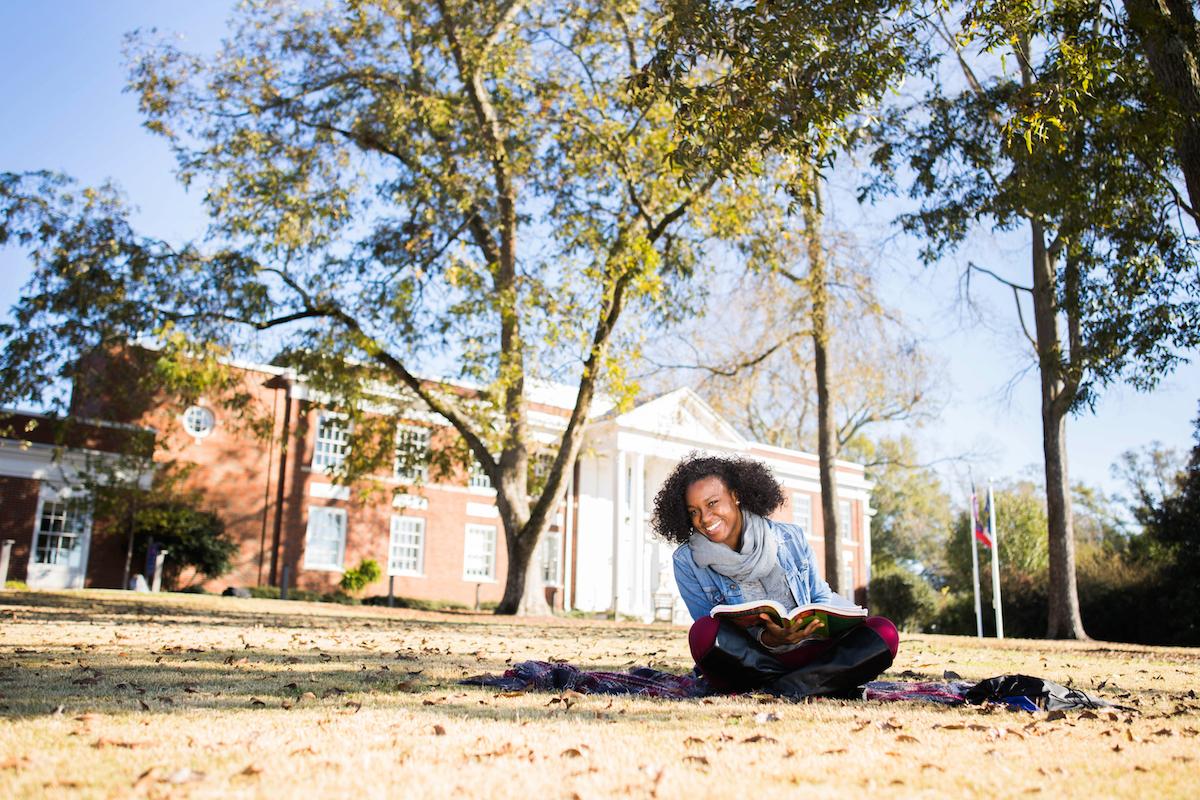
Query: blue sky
{"type": "Point", "coordinates": [61, 87]}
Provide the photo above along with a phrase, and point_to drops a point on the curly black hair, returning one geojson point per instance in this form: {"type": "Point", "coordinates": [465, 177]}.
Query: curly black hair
{"type": "Point", "coordinates": [750, 480]}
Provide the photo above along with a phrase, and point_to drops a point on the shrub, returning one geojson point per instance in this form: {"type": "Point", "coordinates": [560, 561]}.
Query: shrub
{"type": "Point", "coordinates": [414, 603]}
{"type": "Point", "coordinates": [904, 598]}
{"type": "Point", "coordinates": [356, 578]}
{"type": "Point", "coordinates": [955, 615]}
{"type": "Point", "coordinates": [1025, 609]}
{"type": "Point", "coordinates": [264, 592]}
{"type": "Point", "coordinates": [193, 538]}
{"type": "Point", "coordinates": [1125, 600]}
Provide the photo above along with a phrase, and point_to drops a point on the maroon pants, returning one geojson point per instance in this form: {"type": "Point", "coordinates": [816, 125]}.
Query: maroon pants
{"type": "Point", "coordinates": [703, 636]}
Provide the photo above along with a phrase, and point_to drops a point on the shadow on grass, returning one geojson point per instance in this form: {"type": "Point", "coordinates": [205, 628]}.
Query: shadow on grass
{"type": "Point", "coordinates": [138, 655]}
{"type": "Point", "coordinates": [34, 684]}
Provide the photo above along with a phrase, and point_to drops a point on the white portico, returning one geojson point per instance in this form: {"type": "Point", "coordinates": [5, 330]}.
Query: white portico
{"type": "Point", "coordinates": [618, 562]}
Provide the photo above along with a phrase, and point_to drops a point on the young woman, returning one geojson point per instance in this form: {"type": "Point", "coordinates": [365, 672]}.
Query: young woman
{"type": "Point", "coordinates": [716, 509]}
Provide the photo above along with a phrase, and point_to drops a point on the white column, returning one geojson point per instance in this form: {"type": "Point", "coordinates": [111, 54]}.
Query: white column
{"type": "Point", "coordinates": [640, 589]}
{"type": "Point", "coordinates": [567, 529]}
{"type": "Point", "coordinates": [618, 497]}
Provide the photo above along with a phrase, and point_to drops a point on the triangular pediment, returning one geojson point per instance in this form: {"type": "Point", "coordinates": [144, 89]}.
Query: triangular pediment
{"type": "Point", "coordinates": [682, 415]}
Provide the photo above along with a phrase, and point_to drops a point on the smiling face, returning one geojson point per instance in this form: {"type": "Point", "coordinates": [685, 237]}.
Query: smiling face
{"type": "Point", "coordinates": [713, 510]}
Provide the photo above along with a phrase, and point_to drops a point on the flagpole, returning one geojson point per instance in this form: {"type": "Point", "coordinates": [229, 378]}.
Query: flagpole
{"type": "Point", "coordinates": [992, 534]}
{"type": "Point", "coordinates": [975, 563]}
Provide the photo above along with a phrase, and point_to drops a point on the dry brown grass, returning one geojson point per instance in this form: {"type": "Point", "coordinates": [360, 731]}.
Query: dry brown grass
{"type": "Point", "coordinates": [107, 694]}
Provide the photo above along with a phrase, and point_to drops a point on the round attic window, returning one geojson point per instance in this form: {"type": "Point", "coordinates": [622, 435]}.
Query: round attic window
{"type": "Point", "coordinates": [199, 421]}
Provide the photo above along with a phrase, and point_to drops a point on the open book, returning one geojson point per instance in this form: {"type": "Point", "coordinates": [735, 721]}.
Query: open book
{"type": "Point", "coordinates": [835, 619]}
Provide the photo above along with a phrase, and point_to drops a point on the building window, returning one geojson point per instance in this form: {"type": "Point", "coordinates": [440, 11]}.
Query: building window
{"type": "Point", "coordinates": [199, 421]}
{"type": "Point", "coordinates": [412, 453]}
{"type": "Point", "coordinates": [478, 479]}
{"type": "Point", "coordinates": [550, 546]}
{"type": "Point", "coordinates": [845, 521]}
{"type": "Point", "coordinates": [847, 575]}
{"type": "Point", "coordinates": [406, 551]}
{"type": "Point", "coordinates": [325, 542]}
{"type": "Point", "coordinates": [60, 533]}
{"type": "Point", "coordinates": [333, 442]}
{"type": "Point", "coordinates": [479, 554]}
{"type": "Point", "coordinates": [802, 512]}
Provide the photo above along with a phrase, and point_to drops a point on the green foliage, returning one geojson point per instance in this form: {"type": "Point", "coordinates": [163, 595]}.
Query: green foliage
{"type": "Point", "coordinates": [906, 599]}
{"type": "Point", "coordinates": [1021, 519]}
{"type": "Point", "coordinates": [414, 603]}
{"type": "Point", "coordinates": [302, 595]}
{"type": "Point", "coordinates": [1098, 184]}
{"type": "Point", "coordinates": [356, 578]}
{"type": "Point", "coordinates": [787, 76]}
{"type": "Point", "coordinates": [1023, 598]}
{"type": "Point", "coordinates": [194, 539]}
{"type": "Point", "coordinates": [912, 509]}
{"type": "Point", "coordinates": [1174, 526]}
{"type": "Point", "coordinates": [394, 188]}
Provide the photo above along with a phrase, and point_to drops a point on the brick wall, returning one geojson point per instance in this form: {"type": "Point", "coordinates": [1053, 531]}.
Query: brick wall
{"type": "Point", "coordinates": [18, 520]}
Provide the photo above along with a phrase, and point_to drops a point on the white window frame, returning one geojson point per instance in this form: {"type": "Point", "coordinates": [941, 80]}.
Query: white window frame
{"type": "Point", "coordinates": [190, 421]}
{"type": "Point", "coordinates": [846, 520]}
{"type": "Point", "coordinates": [479, 534]}
{"type": "Point", "coordinates": [477, 478]}
{"type": "Point", "coordinates": [71, 520]}
{"type": "Point", "coordinates": [847, 575]}
{"type": "Point", "coordinates": [415, 529]}
{"type": "Point", "coordinates": [550, 560]}
{"type": "Point", "coordinates": [803, 500]}
{"type": "Point", "coordinates": [329, 452]}
{"type": "Point", "coordinates": [323, 520]}
{"type": "Point", "coordinates": [415, 439]}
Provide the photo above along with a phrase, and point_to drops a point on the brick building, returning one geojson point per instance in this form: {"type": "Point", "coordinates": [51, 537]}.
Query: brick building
{"type": "Point", "coordinates": [436, 534]}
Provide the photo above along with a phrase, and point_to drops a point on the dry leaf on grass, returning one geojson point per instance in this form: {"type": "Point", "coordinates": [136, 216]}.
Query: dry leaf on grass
{"type": "Point", "coordinates": [438, 730]}
{"type": "Point", "coordinates": [103, 742]}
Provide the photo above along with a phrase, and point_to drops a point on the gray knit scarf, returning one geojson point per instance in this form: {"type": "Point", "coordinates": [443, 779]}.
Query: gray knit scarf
{"type": "Point", "coordinates": [756, 561]}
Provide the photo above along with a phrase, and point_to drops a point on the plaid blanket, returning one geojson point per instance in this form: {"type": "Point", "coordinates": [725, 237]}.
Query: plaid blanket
{"type": "Point", "coordinates": [647, 682]}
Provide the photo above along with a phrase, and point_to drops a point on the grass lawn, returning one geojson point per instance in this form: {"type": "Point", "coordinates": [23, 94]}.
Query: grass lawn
{"type": "Point", "coordinates": [109, 694]}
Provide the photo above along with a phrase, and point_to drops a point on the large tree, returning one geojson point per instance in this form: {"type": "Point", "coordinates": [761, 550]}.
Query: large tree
{"type": "Point", "coordinates": [791, 78]}
{"type": "Point", "coordinates": [456, 187]}
{"type": "Point", "coordinates": [1112, 275]}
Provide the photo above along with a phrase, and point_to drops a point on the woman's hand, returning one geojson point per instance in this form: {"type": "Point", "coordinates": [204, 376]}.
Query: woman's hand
{"type": "Point", "coordinates": [777, 635]}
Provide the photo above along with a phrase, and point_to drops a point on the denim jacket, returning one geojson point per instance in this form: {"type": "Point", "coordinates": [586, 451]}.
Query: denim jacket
{"type": "Point", "coordinates": [702, 587]}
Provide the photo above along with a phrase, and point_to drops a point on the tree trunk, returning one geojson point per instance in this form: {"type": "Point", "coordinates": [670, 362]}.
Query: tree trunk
{"type": "Point", "coordinates": [1170, 39]}
{"type": "Point", "coordinates": [1064, 621]}
{"type": "Point", "coordinates": [810, 203]}
{"type": "Point", "coordinates": [523, 593]}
